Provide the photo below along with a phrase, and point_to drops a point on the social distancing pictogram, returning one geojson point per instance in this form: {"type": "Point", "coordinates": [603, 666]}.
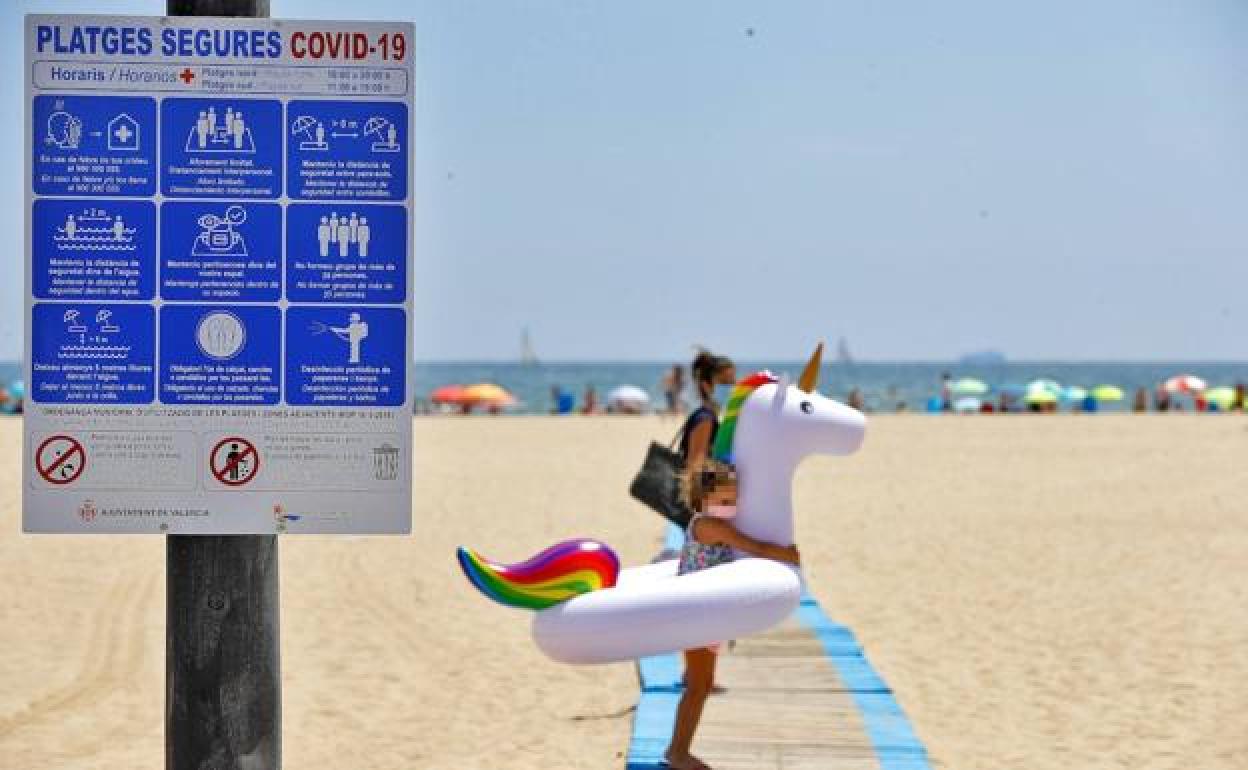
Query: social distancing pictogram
{"type": "Point", "coordinates": [60, 459]}
{"type": "Point", "coordinates": [234, 461]}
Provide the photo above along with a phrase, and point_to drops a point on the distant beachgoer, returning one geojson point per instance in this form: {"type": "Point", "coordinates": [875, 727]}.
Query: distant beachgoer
{"type": "Point", "coordinates": [1140, 404]}
{"type": "Point", "coordinates": [946, 392]}
{"type": "Point", "coordinates": [856, 400]}
{"type": "Point", "coordinates": [562, 401]}
{"type": "Point", "coordinates": [673, 388]}
{"type": "Point", "coordinates": [591, 401]}
{"type": "Point", "coordinates": [1241, 397]}
{"type": "Point", "coordinates": [710, 373]}
{"type": "Point", "coordinates": [1163, 400]}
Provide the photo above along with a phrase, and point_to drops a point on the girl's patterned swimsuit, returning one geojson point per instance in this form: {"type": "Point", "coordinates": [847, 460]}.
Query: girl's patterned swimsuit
{"type": "Point", "coordinates": [696, 556]}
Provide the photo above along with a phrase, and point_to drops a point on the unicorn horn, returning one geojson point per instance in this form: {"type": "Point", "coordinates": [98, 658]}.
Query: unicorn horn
{"type": "Point", "coordinates": [810, 375]}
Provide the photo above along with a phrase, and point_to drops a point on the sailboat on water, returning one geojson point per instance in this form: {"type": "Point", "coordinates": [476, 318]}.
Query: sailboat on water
{"type": "Point", "coordinates": [528, 357]}
{"type": "Point", "coordinates": [842, 352]}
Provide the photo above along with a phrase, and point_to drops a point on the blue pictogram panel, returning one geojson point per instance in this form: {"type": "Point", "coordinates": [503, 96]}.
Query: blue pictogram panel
{"type": "Point", "coordinates": [345, 356]}
{"type": "Point", "coordinates": [214, 354]}
{"type": "Point", "coordinates": [221, 148]}
{"type": "Point", "coordinates": [92, 353]}
{"type": "Point", "coordinates": [212, 251]}
{"type": "Point", "coordinates": [94, 145]}
{"type": "Point", "coordinates": [346, 253]}
{"type": "Point", "coordinates": [90, 249]}
{"type": "Point", "coordinates": [355, 151]}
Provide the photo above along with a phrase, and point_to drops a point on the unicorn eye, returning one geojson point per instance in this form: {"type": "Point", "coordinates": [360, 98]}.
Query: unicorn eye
{"type": "Point", "coordinates": [807, 407]}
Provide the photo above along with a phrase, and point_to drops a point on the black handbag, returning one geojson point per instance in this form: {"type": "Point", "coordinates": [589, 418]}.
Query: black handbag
{"type": "Point", "coordinates": [658, 483]}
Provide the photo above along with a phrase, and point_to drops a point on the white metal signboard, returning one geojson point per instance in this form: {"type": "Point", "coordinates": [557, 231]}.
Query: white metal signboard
{"type": "Point", "coordinates": [218, 275]}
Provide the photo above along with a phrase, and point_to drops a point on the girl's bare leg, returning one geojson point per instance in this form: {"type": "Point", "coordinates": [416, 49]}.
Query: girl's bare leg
{"type": "Point", "coordinates": [699, 676]}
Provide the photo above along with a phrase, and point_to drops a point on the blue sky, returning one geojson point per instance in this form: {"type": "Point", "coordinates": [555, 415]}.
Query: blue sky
{"type": "Point", "coordinates": [1059, 181]}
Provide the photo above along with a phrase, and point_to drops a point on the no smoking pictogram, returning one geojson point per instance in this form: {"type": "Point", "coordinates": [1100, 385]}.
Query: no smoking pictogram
{"type": "Point", "coordinates": [234, 461]}
{"type": "Point", "coordinates": [60, 459]}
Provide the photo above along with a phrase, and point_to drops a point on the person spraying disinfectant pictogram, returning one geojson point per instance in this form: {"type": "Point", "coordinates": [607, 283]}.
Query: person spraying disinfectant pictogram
{"type": "Point", "coordinates": [354, 333]}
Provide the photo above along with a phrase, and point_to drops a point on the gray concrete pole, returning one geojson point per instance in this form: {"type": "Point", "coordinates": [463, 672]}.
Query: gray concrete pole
{"type": "Point", "coordinates": [223, 684]}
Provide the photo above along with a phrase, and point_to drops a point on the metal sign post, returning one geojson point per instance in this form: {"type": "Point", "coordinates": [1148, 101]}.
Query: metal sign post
{"type": "Point", "coordinates": [223, 673]}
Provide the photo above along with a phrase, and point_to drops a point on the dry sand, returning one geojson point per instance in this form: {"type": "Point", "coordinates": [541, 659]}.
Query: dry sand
{"type": "Point", "coordinates": [1041, 592]}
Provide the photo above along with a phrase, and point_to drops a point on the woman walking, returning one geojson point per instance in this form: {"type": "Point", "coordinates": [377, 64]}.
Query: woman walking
{"type": "Point", "coordinates": [710, 373]}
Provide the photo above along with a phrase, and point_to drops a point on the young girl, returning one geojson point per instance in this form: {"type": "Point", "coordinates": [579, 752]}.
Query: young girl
{"type": "Point", "coordinates": [710, 541]}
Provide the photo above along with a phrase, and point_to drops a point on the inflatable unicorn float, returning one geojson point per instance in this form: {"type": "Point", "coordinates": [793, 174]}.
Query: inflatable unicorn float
{"type": "Point", "coordinates": [587, 610]}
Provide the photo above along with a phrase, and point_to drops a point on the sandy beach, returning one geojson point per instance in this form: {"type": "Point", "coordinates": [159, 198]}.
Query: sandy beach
{"type": "Point", "coordinates": [1041, 592]}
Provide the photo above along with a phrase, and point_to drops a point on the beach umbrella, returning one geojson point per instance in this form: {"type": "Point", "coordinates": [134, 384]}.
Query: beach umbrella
{"type": "Point", "coordinates": [1184, 383]}
{"type": "Point", "coordinates": [1223, 397]}
{"type": "Point", "coordinates": [628, 397]}
{"type": "Point", "coordinates": [969, 386]}
{"type": "Point", "coordinates": [448, 394]}
{"type": "Point", "coordinates": [1051, 386]}
{"type": "Point", "coordinates": [1107, 393]}
{"type": "Point", "coordinates": [1040, 396]}
{"type": "Point", "coordinates": [488, 393]}
{"type": "Point", "coordinates": [17, 388]}
{"type": "Point", "coordinates": [1073, 393]}
{"type": "Point", "coordinates": [967, 404]}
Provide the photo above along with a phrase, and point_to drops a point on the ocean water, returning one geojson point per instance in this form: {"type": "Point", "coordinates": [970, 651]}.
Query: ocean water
{"type": "Point", "coordinates": [884, 385]}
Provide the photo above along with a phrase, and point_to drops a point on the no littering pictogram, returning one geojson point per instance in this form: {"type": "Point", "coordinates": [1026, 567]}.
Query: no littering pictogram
{"type": "Point", "coordinates": [234, 461]}
{"type": "Point", "coordinates": [60, 459]}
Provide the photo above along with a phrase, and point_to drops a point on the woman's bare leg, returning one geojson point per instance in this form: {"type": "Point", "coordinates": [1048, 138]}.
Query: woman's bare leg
{"type": "Point", "coordinates": [699, 676]}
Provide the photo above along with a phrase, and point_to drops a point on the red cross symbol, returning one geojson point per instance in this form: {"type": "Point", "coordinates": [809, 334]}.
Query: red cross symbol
{"type": "Point", "coordinates": [187, 75]}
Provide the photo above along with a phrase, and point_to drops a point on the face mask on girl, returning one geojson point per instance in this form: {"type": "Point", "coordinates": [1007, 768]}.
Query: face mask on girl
{"type": "Point", "coordinates": [721, 393]}
{"type": "Point", "coordinates": [722, 510]}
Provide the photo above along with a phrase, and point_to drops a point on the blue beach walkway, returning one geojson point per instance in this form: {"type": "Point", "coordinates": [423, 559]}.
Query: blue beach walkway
{"type": "Point", "coordinates": [801, 696]}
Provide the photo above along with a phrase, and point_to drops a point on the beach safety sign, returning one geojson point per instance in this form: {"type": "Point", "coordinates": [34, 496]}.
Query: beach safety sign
{"type": "Point", "coordinates": [218, 275]}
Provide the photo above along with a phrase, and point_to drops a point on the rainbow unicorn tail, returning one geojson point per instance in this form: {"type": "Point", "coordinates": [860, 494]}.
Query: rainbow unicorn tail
{"type": "Point", "coordinates": [569, 569]}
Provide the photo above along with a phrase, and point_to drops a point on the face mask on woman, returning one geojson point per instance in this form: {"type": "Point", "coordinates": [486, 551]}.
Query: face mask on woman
{"type": "Point", "coordinates": [722, 392]}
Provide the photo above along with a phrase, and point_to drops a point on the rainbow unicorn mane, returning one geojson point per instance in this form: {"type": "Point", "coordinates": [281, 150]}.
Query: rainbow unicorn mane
{"type": "Point", "coordinates": [722, 450]}
{"type": "Point", "coordinates": [565, 570]}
